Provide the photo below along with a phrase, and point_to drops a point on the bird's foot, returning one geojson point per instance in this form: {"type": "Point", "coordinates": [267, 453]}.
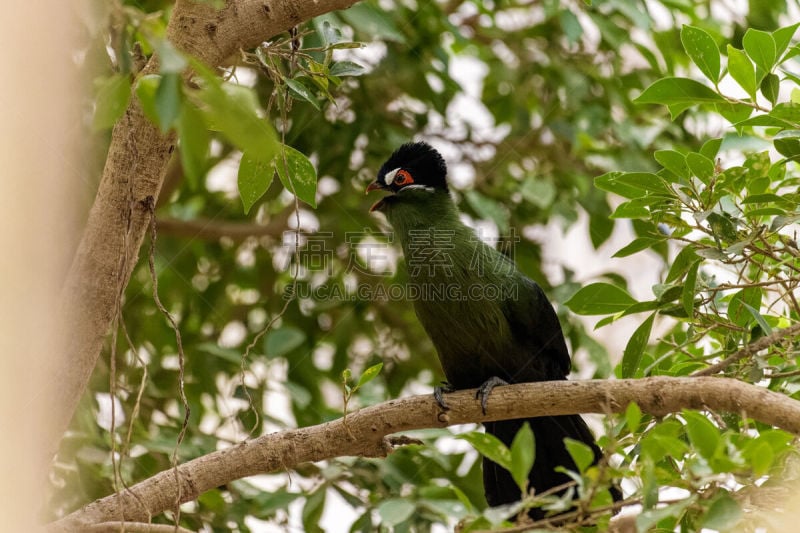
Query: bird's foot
{"type": "Point", "coordinates": [486, 389]}
{"type": "Point", "coordinates": [438, 394]}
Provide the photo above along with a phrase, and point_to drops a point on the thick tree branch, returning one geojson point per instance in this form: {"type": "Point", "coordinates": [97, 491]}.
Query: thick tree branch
{"type": "Point", "coordinates": [367, 430]}
{"type": "Point", "coordinates": [135, 527]}
{"type": "Point", "coordinates": [132, 178]}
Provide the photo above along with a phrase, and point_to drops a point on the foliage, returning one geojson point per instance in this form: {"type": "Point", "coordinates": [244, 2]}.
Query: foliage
{"type": "Point", "coordinates": [530, 103]}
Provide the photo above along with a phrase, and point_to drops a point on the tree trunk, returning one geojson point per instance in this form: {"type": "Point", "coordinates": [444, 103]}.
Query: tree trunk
{"type": "Point", "coordinates": [132, 178]}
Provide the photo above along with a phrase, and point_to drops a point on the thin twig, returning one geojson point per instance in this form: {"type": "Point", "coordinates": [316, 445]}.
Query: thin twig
{"type": "Point", "coordinates": [181, 357]}
{"type": "Point", "coordinates": [559, 521]}
{"type": "Point", "coordinates": [750, 349]}
{"type": "Point", "coordinates": [214, 230]}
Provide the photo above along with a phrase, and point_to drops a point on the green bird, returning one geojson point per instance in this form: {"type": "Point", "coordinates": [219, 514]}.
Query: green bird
{"type": "Point", "coordinates": [490, 324]}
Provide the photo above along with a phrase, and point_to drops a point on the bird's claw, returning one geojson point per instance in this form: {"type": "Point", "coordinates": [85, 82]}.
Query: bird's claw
{"type": "Point", "coordinates": [486, 389]}
{"type": "Point", "coordinates": [438, 394]}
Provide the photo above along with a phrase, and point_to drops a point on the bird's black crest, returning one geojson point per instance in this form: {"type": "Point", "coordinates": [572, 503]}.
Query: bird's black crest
{"type": "Point", "coordinates": [422, 161]}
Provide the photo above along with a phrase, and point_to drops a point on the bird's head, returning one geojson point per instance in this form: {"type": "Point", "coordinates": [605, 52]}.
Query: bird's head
{"type": "Point", "coordinates": [412, 167]}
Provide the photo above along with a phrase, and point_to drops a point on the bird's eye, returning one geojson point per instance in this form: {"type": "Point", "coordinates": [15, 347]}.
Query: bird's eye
{"type": "Point", "coordinates": [403, 178]}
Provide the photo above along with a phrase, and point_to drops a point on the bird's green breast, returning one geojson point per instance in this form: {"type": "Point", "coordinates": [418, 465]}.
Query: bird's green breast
{"type": "Point", "coordinates": [459, 286]}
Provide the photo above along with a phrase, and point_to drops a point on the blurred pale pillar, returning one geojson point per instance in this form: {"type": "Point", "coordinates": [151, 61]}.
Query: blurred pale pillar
{"type": "Point", "coordinates": [41, 176]}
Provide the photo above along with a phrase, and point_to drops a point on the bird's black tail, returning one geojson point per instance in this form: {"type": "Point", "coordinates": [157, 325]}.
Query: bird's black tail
{"type": "Point", "coordinates": [549, 433]}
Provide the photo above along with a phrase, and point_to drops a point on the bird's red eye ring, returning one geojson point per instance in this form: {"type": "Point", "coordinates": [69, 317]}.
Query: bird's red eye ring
{"type": "Point", "coordinates": [403, 178]}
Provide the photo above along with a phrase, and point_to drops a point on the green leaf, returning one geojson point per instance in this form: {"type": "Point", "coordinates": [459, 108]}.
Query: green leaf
{"type": "Point", "coordinates": [393, 511]}
{"type": "Point", "coordinates": [703, 435]}
{"type": "Point", "coordinates": [268, 503]}
{"type": "Point", "coordinates": [673, 161]}
{"type": "Point", "coordinates": [490, 447]}
{"type": "Point", "coordinates": [254, 178]}
{"type": "Point", "coordinates": [789, 112]}
{"type": "Point", "coordinates": [788, 143]}
{"type": "Point", "coordinates": [631, 184]}
{"type": "Point", "coordinates": [642, 243]}
{"type": "Point", "coordinates": [680, 91]}
{"type": "Point", "coordinates": [372, 21]}
{"type": "Point", "coordinates": [760, 46]}
{"type": "Point", "coordinates": [570, 25]}
{"type": "Point", "coordinates": [168, 101]}
{"type": "Point", "coordinates": [710, 148]}
{"type": "Point", "coordinates": [369, 374]}
{"type": "Point", "coordinates": [754, 213]}
{"type": "Point", "coordinates": [312, 510]}
{"type": "Point", "coordinates": [523, 454]}
{"type": "Point", "coordinates": [632, 209]}
{"type": "Point", "coordinates": [580, 452]}
{"type": "Point", "coordinates": [759, 455]}
{"type": "Point", "coordinates": [299, 89]}
{"type": "Point", "coordinates": [723, 514]}
{"type": "Point", "coordinates": [346, 68]}
{"type": "Point", "coordinates": [347, 46]}
{"type": "Point", "coordinates": [681, 264]}
{"type": "Point", "coordinates": [742, 70]}
{"type": "Point", "coordinates": [600, 299]}
{"type": "Point", "coordinates": [600, 228]}
{"type": "Point", "coordinates": [770, 86]}
{"type": "Point", "coordinates": [783, 36]}
{"type": "Point", "coordinates": [763, 199]}
{"type": "Point", "coordinates": [194, 143]}
{"type": "Point", "coordinates": [795, 94]}
{"type": "Point", "coordinates": [664, 439]}
{"type": "Point", "coordinates": [701, 166]}
{"type": "Point", "coordinates": [213, 500]}
{"type": "Point", "coordinates": [648, 519]}
{"type": "Point", "coordinates": [632, 356]}
{"type": "Point", "coordinates": [703, 50]}
{"type": "Point", "coordinates": [723, 226]}
{"type": "Point", "coordinates": [228, 354]}
{"type": "Point", "coordinates": [301, 178]}
{"type": "Point", "coordinates": [113, 94]}
{"type": "Point", "coordinates": [233, 110]}
{"type": "Point", "coordinates": [170, 59]}
{"type": "Point", "coordinates": [781, 221]}
{"type": "Point", "coordinates": [633, 417]}
{"type": "Point", "coordinates": [733, 112]}
{"type": "Point", "coordinates": [540, 192]}
{"type": "Point", "coordinates": [763, 120]}
{"type": "Point", "coordinates": [759, 318]}
{"type": "Point", "coordinates": [487, 208]}
{"type": "Point", "coordinates": [689, 287]}
{"type": "Point", "coordinates": [281, 341]}
{"type": "Point", "coordinates": [330, 33]}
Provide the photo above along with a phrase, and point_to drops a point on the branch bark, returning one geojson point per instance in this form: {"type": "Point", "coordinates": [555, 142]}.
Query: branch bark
{"type": "Point", "coordinates": [132, 179]}
{"type": "Point", "coordinates": [367, 429]}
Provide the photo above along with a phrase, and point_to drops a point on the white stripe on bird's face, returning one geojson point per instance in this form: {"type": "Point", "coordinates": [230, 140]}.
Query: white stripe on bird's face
{"type": "Point", "coordinates": [417, 186]}
{"type": "Point", "coordinates": [389, 177]}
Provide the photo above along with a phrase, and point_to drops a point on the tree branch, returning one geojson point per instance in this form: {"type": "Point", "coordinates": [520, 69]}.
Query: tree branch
{"type": "Point", "coordinates": [756, 346]}
{"type": "Point", "coordinates": [367, 429]}
{"type": "Point", "coordinates": [135, 527]}
{"type": "Point", "coordinates": [132, 178]}
{"type": "Point", "coordinates": [213, 230]}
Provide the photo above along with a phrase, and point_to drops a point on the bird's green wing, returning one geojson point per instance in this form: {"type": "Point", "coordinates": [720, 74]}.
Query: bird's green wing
{"type": "Point", "coordinates": [535, 326]}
